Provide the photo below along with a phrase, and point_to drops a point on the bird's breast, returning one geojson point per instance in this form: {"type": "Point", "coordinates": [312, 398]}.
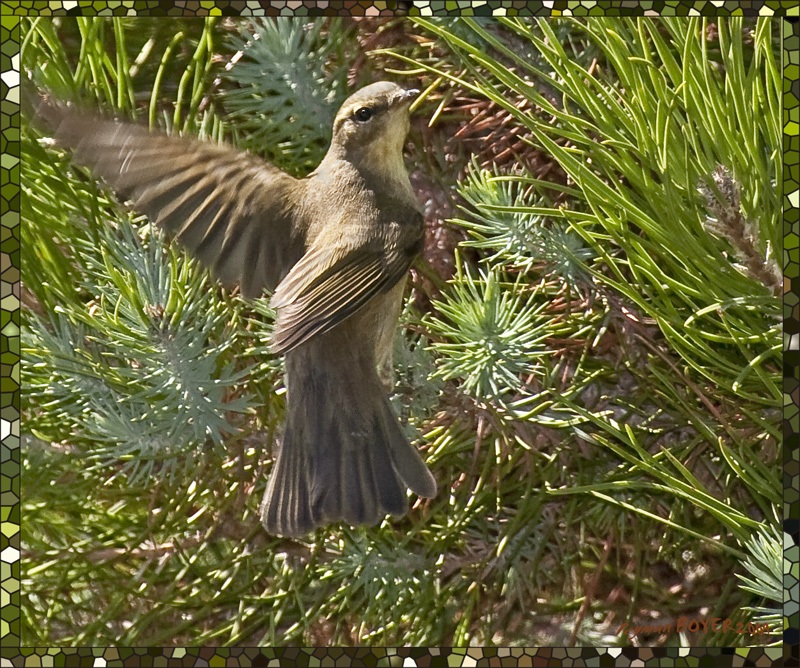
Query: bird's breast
{"type": "Point", "coordinates": [343, 204]}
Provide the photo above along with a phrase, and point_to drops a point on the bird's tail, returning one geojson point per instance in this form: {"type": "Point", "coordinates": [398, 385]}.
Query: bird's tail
{"type": "Point", "coordinates": [344, 455]}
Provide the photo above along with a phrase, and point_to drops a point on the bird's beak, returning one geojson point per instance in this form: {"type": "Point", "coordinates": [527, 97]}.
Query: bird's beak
{"type": "Point", "coordinates": [406, 95]}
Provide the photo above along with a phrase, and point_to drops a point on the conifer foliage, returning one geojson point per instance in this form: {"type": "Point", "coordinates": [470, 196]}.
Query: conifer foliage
{"type": "Point", "coordinates": [589, 358]}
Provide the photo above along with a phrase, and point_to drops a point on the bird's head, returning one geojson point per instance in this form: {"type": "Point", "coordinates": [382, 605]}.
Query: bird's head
{"type": "Point", "coordinates": [371, 126]}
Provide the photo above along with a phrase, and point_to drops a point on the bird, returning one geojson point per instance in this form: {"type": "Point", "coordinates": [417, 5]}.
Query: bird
{"type": "Point", "coordinates": [333, 248]}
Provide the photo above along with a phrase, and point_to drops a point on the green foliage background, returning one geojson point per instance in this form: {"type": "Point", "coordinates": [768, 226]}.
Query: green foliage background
{"type": "Point", "coordinates": [590, 359]}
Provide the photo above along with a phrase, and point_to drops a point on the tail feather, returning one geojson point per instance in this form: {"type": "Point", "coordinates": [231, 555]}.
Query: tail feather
{"type": "Point", "coordinates": [406, 460]}
{"type": "Point", "coordinates": [344, 456]}
{"type": "Point", "coordinates": [285, 509]}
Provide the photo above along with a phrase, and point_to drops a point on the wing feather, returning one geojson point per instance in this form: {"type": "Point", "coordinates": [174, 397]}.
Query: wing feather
{"type": "Point", "coordinates": [229, 208]}
{"type": "Point", "coordinates": [327, 286]}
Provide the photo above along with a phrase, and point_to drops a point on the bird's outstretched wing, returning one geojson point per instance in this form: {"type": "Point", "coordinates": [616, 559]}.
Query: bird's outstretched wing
{"type": "Point", "coordinates": [232, 210]}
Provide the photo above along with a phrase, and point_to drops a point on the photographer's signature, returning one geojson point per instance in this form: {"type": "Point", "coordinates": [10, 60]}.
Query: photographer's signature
{"type": "Point", "coordinates": [684, 624]}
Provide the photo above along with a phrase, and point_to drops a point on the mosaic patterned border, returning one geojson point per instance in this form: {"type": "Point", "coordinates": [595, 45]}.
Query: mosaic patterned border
{"type": "Point", "coordinates": [9, 354]}
{"type": "Point", "coordinates": [791, 451]}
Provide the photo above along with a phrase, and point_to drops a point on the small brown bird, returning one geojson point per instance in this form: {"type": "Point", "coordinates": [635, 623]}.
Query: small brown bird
{"type": "Point", "coordinates": [335, 247]}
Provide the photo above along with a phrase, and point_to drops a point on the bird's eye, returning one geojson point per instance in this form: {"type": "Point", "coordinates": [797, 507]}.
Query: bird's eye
{"type": "Point", "coordinates": [363, 114]}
